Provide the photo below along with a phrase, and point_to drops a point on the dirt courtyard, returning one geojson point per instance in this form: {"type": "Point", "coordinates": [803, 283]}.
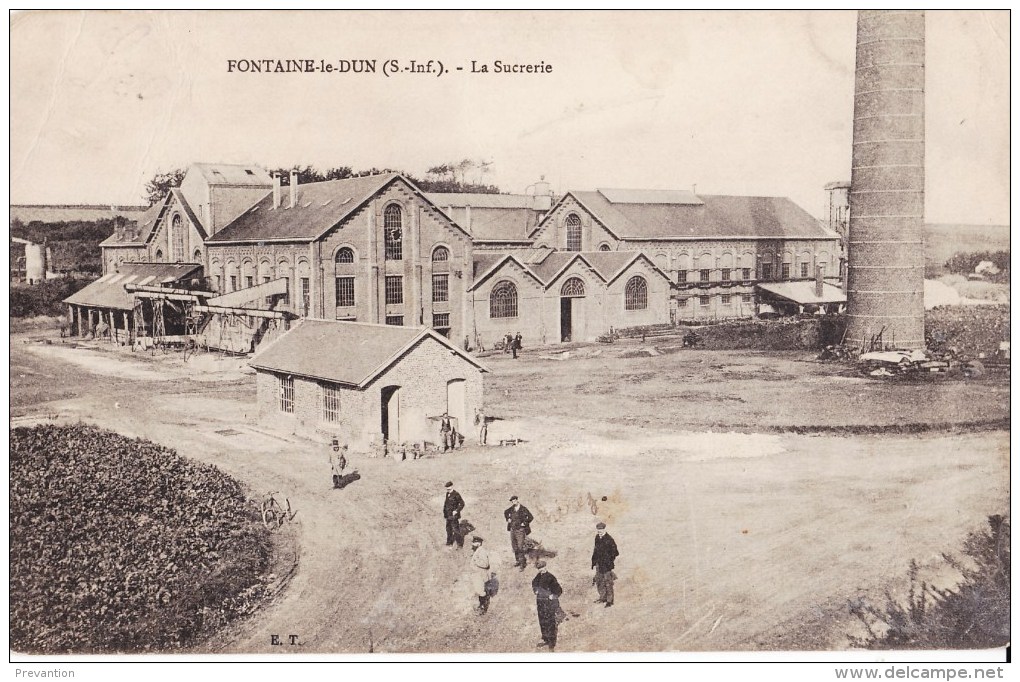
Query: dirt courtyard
{"type": "Point", "coordinates": [734, 533]}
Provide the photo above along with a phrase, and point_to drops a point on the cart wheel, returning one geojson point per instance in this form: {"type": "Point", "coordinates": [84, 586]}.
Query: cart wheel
{"type": "Point", "coordinates": [269, 518]}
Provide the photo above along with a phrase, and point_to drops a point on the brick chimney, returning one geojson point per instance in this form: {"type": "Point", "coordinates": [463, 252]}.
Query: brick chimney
{"type": "Point", "coordinates": [293, 189]}
{"type": "Point", "coordinates": [276, 190]}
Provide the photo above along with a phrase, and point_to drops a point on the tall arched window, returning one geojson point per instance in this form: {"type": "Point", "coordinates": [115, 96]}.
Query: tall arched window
{"type": "Point", "coordinates": [572, 287]}
{"type": "Point", "coordinates": [159, 255]}
{"type": "Point", "coordinates": [636, 294]}
{"type": "Point", "coordinates": [177, 235]}
{"type": "Point", "coordinates": [441, 253]}
{"type": "Point", "coordinates": [393, 226]}
{"type": "Point", "coordinates": [573, 233]}
{"type": "Point", "coordinates": [503, 300]}
{"type": "Point", "coordinates": [198, 256]}
{"type": "Point", "coordinates": [345, 256]}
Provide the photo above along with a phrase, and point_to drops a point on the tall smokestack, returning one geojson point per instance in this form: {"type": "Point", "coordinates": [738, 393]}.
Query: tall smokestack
{"type": "Point", "coordinates": [293, 188]}
{"type": "Point", "coordinates": [276, 190]}
{"type": "Point", "coordinates": [885, 276]}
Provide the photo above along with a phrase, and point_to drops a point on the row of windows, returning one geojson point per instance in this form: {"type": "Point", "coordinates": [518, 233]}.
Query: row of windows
{"type": "Point", "coordinates": [329, 399]}
{"type": "Point", "coordinates": [725, 299]}
{"type": "Point", "coordinates": [503, 297]}
{"type": "Point", "coordinates": [730, 274]}
{"type": "Point", "coordinates": [394, 250]}
{"type": "Point", "coordinates": [394, 290]}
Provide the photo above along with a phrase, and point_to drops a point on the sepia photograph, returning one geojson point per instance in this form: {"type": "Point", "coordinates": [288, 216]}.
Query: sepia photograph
{"type": "Point", "coordinates": [532, 336]}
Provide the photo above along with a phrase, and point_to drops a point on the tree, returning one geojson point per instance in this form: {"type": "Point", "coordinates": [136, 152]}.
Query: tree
{"type": "Point", "coordinates": [161, 183]}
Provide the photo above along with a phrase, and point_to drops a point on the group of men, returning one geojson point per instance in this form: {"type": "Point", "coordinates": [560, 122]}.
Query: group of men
{"type": "Point", "coordinates": [545, 586]}
{"type": "Point", "coordinates": [512, 344]}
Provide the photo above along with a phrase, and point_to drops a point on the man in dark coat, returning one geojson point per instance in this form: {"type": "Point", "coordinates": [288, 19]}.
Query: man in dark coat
{"type": "Point", "coordinates": [446, 431]}
{"type": "Point", "coordinates": [547, 602]}
{"type": "Point", "coordinates": [452, 508]}
{"type": "Point", "coordinates": [518, 522]}
{"type": "Point", "coordinates": [603, 560]}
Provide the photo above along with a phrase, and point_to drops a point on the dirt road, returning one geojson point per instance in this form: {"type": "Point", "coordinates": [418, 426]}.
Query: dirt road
{"type": "Point", "coordinates": [729, 541]}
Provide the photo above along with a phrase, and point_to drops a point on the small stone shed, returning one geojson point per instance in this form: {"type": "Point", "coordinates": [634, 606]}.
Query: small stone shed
{"type": "Point", "coordinates": [366, 383]}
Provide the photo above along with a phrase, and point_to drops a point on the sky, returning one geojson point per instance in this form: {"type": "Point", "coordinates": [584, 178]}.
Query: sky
{"type": "Point", "coordinates": [730, 102]}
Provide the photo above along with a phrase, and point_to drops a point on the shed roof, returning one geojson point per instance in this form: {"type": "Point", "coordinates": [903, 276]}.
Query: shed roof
{"type": "Point", "coordinates": [803, 292]}
{"type": "Point", "coordinates": [351, 353]}
{"type": "Point", "coordinates": [108, 291]}
{"type": "Point", "coordinates": [717, 216]}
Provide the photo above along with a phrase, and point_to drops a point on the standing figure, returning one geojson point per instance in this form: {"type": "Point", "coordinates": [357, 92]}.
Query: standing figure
{"type": "Point", "coordinates": [518, 522]}
{"type": "Point", "coordinates": [547, 602]}
{"type": "Point", "coordinates": [479, 573]}
{"type": "Point", "coordinates": [603, 560]}
{"type": "Point", "coordinates": [452, 508]}
{"type": "Point", "coordinates": [445, 431]}
{"type": "Point", "coordinates": [508, 342]}
{"type": "Point", "coordinates": [518, 345]}
{"type": "Point", "coordinates": [338, 462]}
{"type": "Point", "coordinates": [482, 422]}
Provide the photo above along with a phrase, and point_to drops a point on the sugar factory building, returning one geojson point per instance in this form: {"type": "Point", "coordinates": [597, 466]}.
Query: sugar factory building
{"type": "Point", "coordinates": [473, 267]}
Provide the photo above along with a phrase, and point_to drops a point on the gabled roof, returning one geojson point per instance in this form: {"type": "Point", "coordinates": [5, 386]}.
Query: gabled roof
{"type": "Point", "coordinates": [320, 207]}
{"type": "Point", "coordinates": [179, 195]}
{"type": "Point", "coordinates": [108, 291]}
{"type": "Point", "coordinates": [662, 215]}
{"type": "Point", "coordinates": [486, 264]}
{"type": "Point", "coordinates": [349, 353]}
{"type": "Point", "coordinates": [145, 224]}
{"type": "Point", "coordinates": [608, 265]}
{"type": "Point", "coordinates": [244, 175]}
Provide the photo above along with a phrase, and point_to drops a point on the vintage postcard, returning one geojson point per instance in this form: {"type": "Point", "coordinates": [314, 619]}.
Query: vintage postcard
{"type": "Point", "coordinates": [513, 335]}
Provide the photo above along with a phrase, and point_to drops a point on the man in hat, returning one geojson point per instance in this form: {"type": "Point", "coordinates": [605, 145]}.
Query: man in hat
{"type": "Point", "coordinates": [547, 602]}
{"type": "Point", "coordinates": [518, 522]}
{"type": "Point", "coordinates": [603, 560]}
{"type": "Point", "coordinates": [452, 508]}
{"type": "Point", "coordinates": [446, 431]}
{"type": "Point", "coordinates": [338, 462]}
{"type": "Point", "coordinates": [480, 571]}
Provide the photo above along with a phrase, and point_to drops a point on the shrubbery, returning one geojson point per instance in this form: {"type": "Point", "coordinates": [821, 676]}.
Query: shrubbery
{"type": "Point", "coordinates": [118, 544]}
{"type": "Point", "coordinates": [968, 329]}
{"type": "Point", "coordinates": [44, 298]}
{"type": "Point", "coordinates": [975, 615]}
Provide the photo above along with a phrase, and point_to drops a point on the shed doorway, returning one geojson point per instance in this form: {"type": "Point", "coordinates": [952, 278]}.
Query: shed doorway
{"type": "Point", "coordinates": [390, 414]}
{"type": "Point", "coordinates": [456, 403]}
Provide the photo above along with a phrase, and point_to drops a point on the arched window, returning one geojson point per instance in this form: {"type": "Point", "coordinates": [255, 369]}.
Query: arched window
{"type": "Point", "coordinates": [441, 253]}
{"type": "Point", "coordinates": [573, 233]}
{"type": "Point", "coordinates": [604, 247]}
{"type": "Point", "coordinates": [393, 224]}
{"type": "Point", "coordinates": [198, 255]}
{"type": "Point", "coordinates": [159, 255]}
{"type": "Point", "coordinates": [572, 287]}
{"type": "Point", "coordinates": [503, 300]}
{"type": "Point", "coordinates": [345, 256]}
{"type": "Point", "coordinates": [177, 235]}
{"type": "Point", "coordinates": [636, 294]}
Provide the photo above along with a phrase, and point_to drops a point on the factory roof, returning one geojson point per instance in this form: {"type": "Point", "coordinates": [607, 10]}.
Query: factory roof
{"type": "Point", "coordinates": [350, 353]}
{"type": "Point", "coordinates": [234, 174]}
{"type": "Point", "coordinates": [803, 292]}
{"type": "Point", "coordinates": [108, 291]}
{"type": "Point", "coordinates": [661, 215]}
{"type": "Point", "coordinates": [319, 207]}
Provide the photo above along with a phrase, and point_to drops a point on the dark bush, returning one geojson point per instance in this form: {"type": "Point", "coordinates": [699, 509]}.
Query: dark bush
{"type": "Point", "coordinates": [44, 298]}
{"type": "Point", "coordinates": [974, 615]}
{"type": "Point", "coordinates": [118, 544]}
